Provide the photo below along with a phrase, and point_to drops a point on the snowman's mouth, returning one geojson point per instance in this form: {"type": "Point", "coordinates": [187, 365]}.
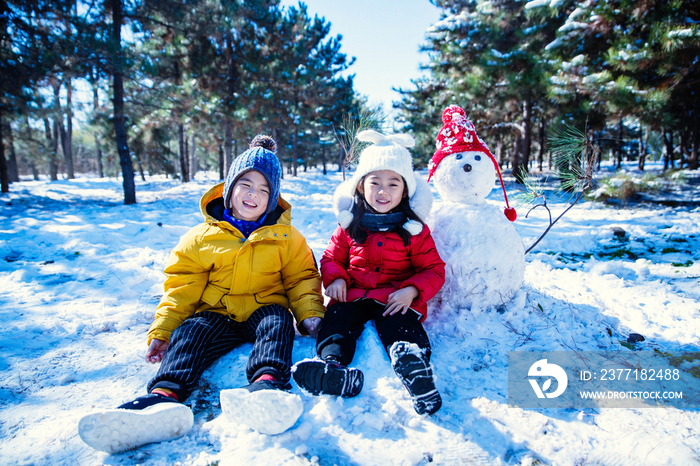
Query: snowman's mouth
{"type": "Point", "coordinates": [467, 168]}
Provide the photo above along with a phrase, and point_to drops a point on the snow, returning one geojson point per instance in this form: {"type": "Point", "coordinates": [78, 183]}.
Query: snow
{"type": "Point", "coordinates": [536, 4]}
{"type": "Point", "coordinates": [554, 44]}
{"type": "Point", "coordinates": [572, 25]}
{"type": "Point", "coordinates": [498, 54]}
{"type": "Point", "coordinates": [596, 78]}
{"type": "Point", "coordinates": [681, 33]}
{"type": "Point", "coordinates": [81, 274]}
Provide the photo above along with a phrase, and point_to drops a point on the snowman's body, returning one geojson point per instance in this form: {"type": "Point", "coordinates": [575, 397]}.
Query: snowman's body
{"type": "Point", "coordinates": [483, 253]}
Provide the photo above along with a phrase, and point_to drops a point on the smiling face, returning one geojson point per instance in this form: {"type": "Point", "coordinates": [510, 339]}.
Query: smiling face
{"type": "Point", "coordinates": [465, 177]}
{"type": "Point", "coordinates": [383, 190]}
{"type": "Point", "coordinates": [249, 196]}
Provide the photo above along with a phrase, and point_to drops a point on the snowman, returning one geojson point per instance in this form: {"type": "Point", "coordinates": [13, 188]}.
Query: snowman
{"type": "Point", "coordinates": [483, 253]}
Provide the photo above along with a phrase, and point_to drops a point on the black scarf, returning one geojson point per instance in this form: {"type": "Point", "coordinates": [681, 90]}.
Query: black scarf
{"type": "Point", "coordinates": [382, 222]}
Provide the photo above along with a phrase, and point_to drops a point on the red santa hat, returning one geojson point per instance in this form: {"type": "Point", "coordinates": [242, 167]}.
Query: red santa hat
{"type": "Point", "coordinates": [459, 135]}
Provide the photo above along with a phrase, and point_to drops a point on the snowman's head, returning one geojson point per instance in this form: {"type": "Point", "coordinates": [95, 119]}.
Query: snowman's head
{"type": "Point", "coordinates": [465, 177]}
{"type": "Point", "coordinates": [464, 167]}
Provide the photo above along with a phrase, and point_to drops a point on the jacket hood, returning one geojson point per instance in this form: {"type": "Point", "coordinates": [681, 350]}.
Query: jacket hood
{"type": "Point", "coordinates": [421, 202]}
{"type": "Point", "coordinates": [212, 202]}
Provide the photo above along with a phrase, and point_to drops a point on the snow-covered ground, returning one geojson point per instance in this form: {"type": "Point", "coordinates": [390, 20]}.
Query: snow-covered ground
{"type": "Point", "coordinates": [81, 274]}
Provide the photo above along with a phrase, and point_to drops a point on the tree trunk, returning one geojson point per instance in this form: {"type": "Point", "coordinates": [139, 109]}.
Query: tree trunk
{"type": "Point", "coordinates": [221, 162]}
{"type": "Point", "coordinates": [642, 147]}
{"type": "Point", "coordinates": [4, 179]}
{"type": "Point", "coordinates": [619, 145]}
{"type": "Point", "coordinates": [527, 138]}
{"type": "Point", "coordinates": [695, 140]}
{"type": "Point", "coordinates": [184, 172]}
{"type": "Point", "coordinates": [35, 172]}
{"type": "Point", "coordinates": [682, 146]}
{"type": "Point", "coordinates": [232, 74]}
{"type": "Point", "coordinates": [515, 162]}
{"type": "Point", "coordinates": [228, 146]}
{"type": "Point", "coordinates": [100, 168]}
{"type": "Point", "coordinates": [231, 82]}
{"type": "Point", "coordinates": [323, 158]}
{"type": "Point", "coordinates": [59, 128]}
{"type": "Point", "coordinates": [280, 150]}
{"type": "Point", "coordinates": [67, 135]}
{"type": "Point", "coordinates": [187, 156]}
{"type": "Point", "coordinates": [295, 156]}
{"type": "Point", "coordinates": [12, 167]}
{"type": "Point", "coordinates": [52, 137]}
{"type": "Point", "coordinates": [193, 159]}
{"type": "Point", "coordinates": [499, 150]}
{"type": "Point", "coordinates": [139, 162]}
{"type": "Point", "coordinates": [540, 157]}
{"type": "Point", "coordinates": [668, 148]}
{"type": "Point", "coordinates": [98, 149]}
{"type": "Point", "coordinates": [118, 103]}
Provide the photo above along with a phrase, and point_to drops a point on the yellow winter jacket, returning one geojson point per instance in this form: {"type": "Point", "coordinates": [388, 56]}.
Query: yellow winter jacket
{"type": "Point", "coordinates": [215, 268]}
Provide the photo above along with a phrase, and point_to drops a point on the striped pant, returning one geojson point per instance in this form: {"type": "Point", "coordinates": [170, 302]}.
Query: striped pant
{"type": "Point", "coordinates": [205, 337]}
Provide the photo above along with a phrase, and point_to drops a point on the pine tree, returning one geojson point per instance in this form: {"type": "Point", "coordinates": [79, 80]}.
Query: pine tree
{"type": "Point", "coordinates": [486, 57]}
{"type": "Point", "coordinates": [631, 59]}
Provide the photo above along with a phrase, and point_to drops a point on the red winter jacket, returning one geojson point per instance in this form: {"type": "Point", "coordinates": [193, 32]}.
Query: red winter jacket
{"type": "Point", "coordinates": [382, 265]}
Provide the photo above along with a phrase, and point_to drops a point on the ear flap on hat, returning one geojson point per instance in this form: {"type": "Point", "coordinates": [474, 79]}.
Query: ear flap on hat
{"type": "Point", "coordinates": [421, 202]}
{"type": "Point", "coordinates": [413, 227]}
{"type": "Point", "coordinates": [342, 203]}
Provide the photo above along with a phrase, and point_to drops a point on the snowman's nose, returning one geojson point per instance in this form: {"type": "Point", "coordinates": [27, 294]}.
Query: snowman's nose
{"type": "Point", "coordinates": [467, 167]}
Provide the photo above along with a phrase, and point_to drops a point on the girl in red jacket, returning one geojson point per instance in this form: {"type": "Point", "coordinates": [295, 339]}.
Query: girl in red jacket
{"type": "Point", "coordinates": [381, 265]}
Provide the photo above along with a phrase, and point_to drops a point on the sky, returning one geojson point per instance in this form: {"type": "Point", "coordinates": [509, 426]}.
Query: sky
{"type": "Point", "coordinates": [383, 36]}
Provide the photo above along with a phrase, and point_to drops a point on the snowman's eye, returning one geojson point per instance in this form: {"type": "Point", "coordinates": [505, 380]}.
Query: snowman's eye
{"type": "Point", "coordinates": [477, 157]}
{"type": "Point", "coordinates": [459, 157]}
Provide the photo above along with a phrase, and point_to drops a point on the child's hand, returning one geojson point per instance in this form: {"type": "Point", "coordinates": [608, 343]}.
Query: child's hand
{"type": "Point", "coordinates": [400, 300]}
{"type": "Point", "coordinates": [337, 290]}
{"type": "Point", "coordinates": [156, 350]}
{"type": "Point", "coordinates": [312, 324]}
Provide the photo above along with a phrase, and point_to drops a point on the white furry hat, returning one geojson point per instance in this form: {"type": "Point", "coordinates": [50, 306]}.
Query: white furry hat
{"type": "Point", "coordinates": [387, 153]}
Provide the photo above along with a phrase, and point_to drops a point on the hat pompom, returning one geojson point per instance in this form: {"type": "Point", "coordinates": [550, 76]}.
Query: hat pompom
{"type": "Point", "coordinates": [510, 213]}
{"type": "Point", "coordinates": [344, 218]}
{"type": "Point", "coordinates": [449, 112]}
{"type": "Point", "coordinates": [413, 227]}
{"type": "Point", "coordinates": [264, 141]}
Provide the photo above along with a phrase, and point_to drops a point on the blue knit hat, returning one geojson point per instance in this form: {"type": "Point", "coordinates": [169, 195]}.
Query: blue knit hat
{"type": "Point", "coordinates": [262, 158]}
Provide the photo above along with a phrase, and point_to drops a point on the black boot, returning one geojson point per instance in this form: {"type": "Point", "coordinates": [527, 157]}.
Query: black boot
{"type": "Point", "coordinates": [146, 401]}
{"type": "Point", "coordinates": [413, 368]}
{"type": "Point", "coordinates": [328, 377]}
{"type": "Point", "coordinates": [266, 385]}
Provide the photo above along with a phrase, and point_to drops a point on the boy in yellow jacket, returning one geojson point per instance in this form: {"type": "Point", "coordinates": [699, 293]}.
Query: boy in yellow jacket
{"type": "Point", "coordinates": [230, 280]}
